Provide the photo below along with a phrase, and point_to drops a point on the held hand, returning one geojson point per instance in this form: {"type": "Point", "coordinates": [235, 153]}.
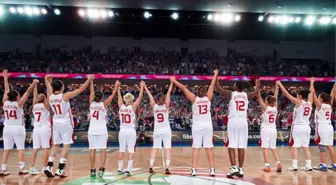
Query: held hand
{"type": "Point", "coordinates": [117, 83]}
{"type": "Point", "coordinates": [278, 82]}
{"type": "Point", "coordinates": [91, 77]}
{"type": "Point", "coordinates": [172, 79]}
{"type": "Point", "coordinates": [216, 72]}
{"type": "Point", "coordinates": [142, 84]}
{"type": "Point", "coordinates": [257, 83]}
{"type": "Point", "coordinates": [36, 81]}
{"type": "Point", "coordinates": [5, 73]}
{"type": "Point", "coordinates": [312, 80]}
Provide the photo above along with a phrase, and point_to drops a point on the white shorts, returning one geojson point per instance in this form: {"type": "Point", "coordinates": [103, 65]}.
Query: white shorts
{"type": "Point", "coordinates": [301, 136]}
{"type": "Point", "coordinates": [62, 134]}
{"type": "Point", "coordinates": [326, 134]}
{"type": "Point", "coordinates": [41, 137]}
{"type": "Point", "coordinates": [237, 133]}
{"type": "Point", "coordinates": [14, 134]}
{"type": "Point", "coordinates": [159, 138]}
{"type": "Point", "coordinates": [97, 141]}
{"type": "Point", "coordinates": [127, 137]}
{"type": "Point", "coordinates": [203, 138]}
{"type": "Point", "coordinates": [268, 138]}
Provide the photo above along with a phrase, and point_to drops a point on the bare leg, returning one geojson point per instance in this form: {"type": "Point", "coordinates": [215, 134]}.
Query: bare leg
{"type": "Point", "coordinates": [168, 157]}
{"type": "Point", "coordinates": [92, 156]}
{"type": "Point", "coordinates": [130, 156]}
{"type": "Point", "coordinates": [294, 153]}
{"type": "Point", "coordinates": [265, 152]}
{"type": "Point", "coordinates": [232, 156]}
{"type": "Point", "coordinates": [5, 156]}
{"type": "Point", "coordinates": [34, 156]}
{"type": "Point", "coordinates": [332, 154]}
{"type": "Point", "coordinates": [152, 157]}
{"type": "Point", "coordinates": [21, 155]}
{"type": "Point", "coordinates": [210, 157]}
{"type": "Point", "coordinates": [275, 155]}
{"type": "Point", "coordinates": [307, 153]}
{"type": "Point", "coordinates": [195, 154]}
{"type": "Point", "coordinates": [121, 156]}
{"type": "Point", "coordinates": [54, 150]}
{"type": "Point", "coordinates": [65, 151]}
{"type": "Point", "coordinates": [45, 157]}
{"type": "Point", "coordinates": [241, 157]}
{"type": "Point", "coordinates": [102, 158]}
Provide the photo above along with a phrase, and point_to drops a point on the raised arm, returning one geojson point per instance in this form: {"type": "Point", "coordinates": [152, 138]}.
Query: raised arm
{"type": "Point", "coordinates": [289, 96]}
{"type": "Point", "coordinates": [35, 95]}
{"type": "Point", "coordinates": [253, 94]}
{"type": "Point", "coordinates": [332, 94]}
{"type": "Point", "coordinates": [91, 98]}
{"type": "Point", "coordinates": [313, 94]}
{"type": "Point", "coordinates": [67, 96]}
{"type": "Point", "coordinates": [212, 85]}
{"type": "Point", "coordinates": [168, 94]}
{"type": "Point", "coordinates": [138, 100]}
{"type": "Point", "coordinates": [151, 99]}
{"type": "Point", "coordinates": [108, 101]}
{"type": "Point", "coordinates": [120, 101]}
{"type": "Point", "coordinates": [25, 96]}
{"type": "Point", "coordinates": [47, 80]}
{"type": "Point", "coordinates": [5, 76]}
{"type": "Point", "coordinates": [276, 94]}
{"type": "Point", "coordinates": [224, 92]}
{"type": "Point", "coordinates": [190, 96]}
{"type": "Point", "coordinates": [261, 102]}
{"type": "Point", "coordinates": [310, 96]}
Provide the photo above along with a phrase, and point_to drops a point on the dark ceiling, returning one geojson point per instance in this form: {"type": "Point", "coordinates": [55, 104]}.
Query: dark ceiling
{"type": "Point", "coordinates": [256, 6]}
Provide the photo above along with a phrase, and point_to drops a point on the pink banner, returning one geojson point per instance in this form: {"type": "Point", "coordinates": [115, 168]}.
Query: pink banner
{"type": "Point", "coordinates": [166, 77]}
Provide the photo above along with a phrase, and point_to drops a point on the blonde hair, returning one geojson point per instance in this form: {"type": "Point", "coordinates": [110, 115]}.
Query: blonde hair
{"type": "Point", "coordinates": [128, 98]}
{"type": "Point", "coordinates": [40, 98]}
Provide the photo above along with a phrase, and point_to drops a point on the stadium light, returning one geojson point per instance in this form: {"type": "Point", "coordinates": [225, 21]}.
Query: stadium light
{"type": "Point", "coordinates": [237, 18]}
{"type": "Point", "coordinates": [174, 16]}
{"type": "Point", "coordinates": [103, 14]}
{"type": "Point", "coordinates": [324, 20]}
{"type": "Point", "coordinates": [12, 10]}
{"type": "Point", "coordinates": [44, 11]}
{"type": "Point", "coordinates": [310, 20]}
{"type": "Point", "coordinates": [271, 19]}
{"type": "Point", "coordinates": [20, 10]}
{"type": "Point", "coordinates": [334, 20]}
{"type": "Point", "coordinates": [36, 11]}
{"type": "Point", "coordinates": [57, 11]}
{"type": "Point", "coordinates": [260, 18]}
{"type": "Point", "coordinates": [216, 17]}
{"type": "Point", "coordinates": [1, 10]}
{"type": "Point", "coordinates": [81, 12]}
{"type": "Point", "coordinates": [284, 20]}
{"type": "Point", "coordinates": [226, 17]}
{"type": "Point", "coordinates": [28, 10]}
{"type": "Point", "coordinates": [147, 15]}
{"type": "Point", "coordinates": [291, 19]}
{"type": "Point", "coordinates": [210, 17]}
{"type": "Point", "coordinates": [297, 19]}
{"type": "Point", "coordinates": [110, 13]}
{"type": "Point", "coordinates": [277, 19]}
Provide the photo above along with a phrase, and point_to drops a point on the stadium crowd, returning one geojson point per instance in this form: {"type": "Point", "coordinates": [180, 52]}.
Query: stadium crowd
{"type": "Point", "coordinates": [161, 62]}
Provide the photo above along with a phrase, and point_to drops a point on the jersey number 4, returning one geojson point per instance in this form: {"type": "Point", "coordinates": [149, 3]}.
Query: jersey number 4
{"type": "Point", "coordinates": [96, 115]}
{"type": "Point", "coordinates": [240, 105]}
{"type": "Point", "coordinates": [11, 114]}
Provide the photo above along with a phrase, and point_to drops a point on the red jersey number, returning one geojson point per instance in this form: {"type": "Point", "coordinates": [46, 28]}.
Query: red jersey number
{"type": "Point", "coordinates": [271, 118]}
{"type": "Point", "coordinates": [240, 105]}
{"type": "Point", "coordinates": [203, 109]}
{"type": "Point", "coordinates": [96, 114]}
{"type": "Point", "coordinates": [125, 118]}
{"type": "Point", "coordinates": [11, 114]}
{"type": "Point", "coordinates": [306, 111]}
{"type": "Point", "coordinates": [57, 109]}
{"type": "Point", "coordinates": [327, 115]}
{"type": "Point", "coordinates": [160, 117]}
{"type": "Point", "coordinates": [38, 114]}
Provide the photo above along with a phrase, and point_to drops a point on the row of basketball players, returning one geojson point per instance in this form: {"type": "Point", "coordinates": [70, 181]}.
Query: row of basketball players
{"type": "Point", "coordinates": [202, 130]}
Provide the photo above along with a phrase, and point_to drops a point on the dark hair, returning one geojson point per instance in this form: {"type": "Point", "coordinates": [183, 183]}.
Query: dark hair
{"type": "Point", "coordinates": [240, 85]}
{"type": "Point", "coordinates": [57, 85]}
{"type": "Point", "coordinates": [271, 99]}
{"type": "Point", "coordinates": [158, 96]}
{"type": "Point", "coordinates": [12, 95]}
{"type": "Point", "coordinates": [199, 89]}
{"type": "Point", "coordinates": [98, 96]}
{"type": "Point", "coordinates": [325, 97]}
{"type": "Point", "coordinates": [304, 93]}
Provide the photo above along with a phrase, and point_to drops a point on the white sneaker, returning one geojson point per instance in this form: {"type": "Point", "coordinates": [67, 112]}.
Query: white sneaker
{"type": "Point", "coordinates": [308, 169]}
{"type": "Point", "coordinates": [120, 172]}
{"type": "Point", "coordinates": [4, 173]}
{"type": "Point", "coordinates": [193, 172]}
{"type": "Point", "coordinates": [233, 172]}
{"type": "Point", "coordinates": [128, 173]}
{"type": "Point", "coordinates": [292, 169]}
{"type": "Point", "coordinates": [60, 173]}
{"type": "Point", "coordinates": [48, 172]}
{"type": "Point", "coordinates": [212, 172]}
{"type": "Point", "coordinates": [33, 171]}
{"type": "Point", "coordinates": [241, 172]}
{"type": "Point", "coordinates": [23, 171]}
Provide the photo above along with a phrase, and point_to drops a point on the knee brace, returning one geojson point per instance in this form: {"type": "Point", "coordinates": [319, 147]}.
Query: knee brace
{"type": "Point", "coordinates": [322, 148]}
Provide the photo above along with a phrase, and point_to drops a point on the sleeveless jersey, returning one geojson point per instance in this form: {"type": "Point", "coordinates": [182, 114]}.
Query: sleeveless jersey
{"type": "Point", "coordinates": [302, 113]}
{"type": "Point", "coordinates": [98, 114]}
{"type": "Point", "coordinates": [61, 109]}
{"type": "Point", "coordinates": [238, 105]}
{"type": "Point", "coordinates": [201, 113]}
{"type": "Point", "coordinates": [323, 115]}
{"type": "Point", "coordinates": [13, 113]}
{"type": "Point", "coordinates": [161, 119]}
{"type": "Point", "coordinates": [41, 115]}
{"type": "Point", "coordinates": [127, 116]}
{"type": "Point", "coordinates": [269, 117]}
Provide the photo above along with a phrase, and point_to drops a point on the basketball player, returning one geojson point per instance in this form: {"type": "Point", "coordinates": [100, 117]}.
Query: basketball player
{"type": "Point", "coordinates": [14, 130]}
{"type": "Point", "coordinates": [97, 133]}
{"type": "Point", "coordinates": [324, 131]}
{"type": "Point", "coordinates": [62, 121]}
{"type": "Point", "coordinates": [237, 129]}
{"type": "Point", "coordinates": [162, 130]}
{"type": "Point", "coordinates": [202, 129]}
{"type": "Point", "coordinates": [268, 132]}
{"type": "Point", "coordinates": [42, 130]}
{"type": "Point", "coordinates": [300, 133]}
{"type": "Point", "coordinates": [127, 133]}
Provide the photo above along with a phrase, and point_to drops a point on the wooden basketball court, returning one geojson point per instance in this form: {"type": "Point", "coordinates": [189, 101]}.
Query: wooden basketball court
{"type": "Point", "coordinates": [78, 169]}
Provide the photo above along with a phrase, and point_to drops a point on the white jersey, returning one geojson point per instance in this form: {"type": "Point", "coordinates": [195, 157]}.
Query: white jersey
{"type": "Point", "coordinates": [201, 113]}
{"type": "Point", "coordinates": [61, 109]}
{"type": "Point", "coordinates": [302, 113]}
{"type": "Point", "coordinates": [269, 117]}
{"type": "Point", "coordinates": [127, 116]}
{"type": "Point", "coordinates": [161, 119]}
{"type": "Point", "coordinates": [13, 113]}
{"type": "Point", "coordinates": [323, 115]}
{"type": "Point", "coordinates": [238, 105]}
{"type": "Point", "coordinates": [98, 114]}
{"type": "Point", "coordinates": [41, 115]}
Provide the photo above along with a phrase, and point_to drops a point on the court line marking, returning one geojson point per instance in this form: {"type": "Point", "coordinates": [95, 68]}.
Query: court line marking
{"type": "Point", "coordinates": [150, 178]}
{"type": "Point", "coordinates": [141, 172]}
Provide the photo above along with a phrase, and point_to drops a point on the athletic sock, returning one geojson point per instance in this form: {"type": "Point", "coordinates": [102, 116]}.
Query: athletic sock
{"type": "Point", "coordinates": [278, 162]}
{"type": "Point", "coordinates": [61, 165]}
{"type": "Point", "coordinates": [151, 162]}
{"type": "Point", "coordinates": [120, 165]}
{"type": "Point", "coordinates": [308, 163]}
{"type": "Point", "coordinates": [130, 165]}
{"type": "Point", "coordinates": [51, 161]}
{"type": "Point", "coordinates": [21, 165]}
{"type": "Point", "coordinates": [295, 164]}
{"type": "Point", "coordinates": [167, 163]}
{"type": "Point", "coordinates": [267, 165]}
{"type": "Point", "coordinates": [4, 167]}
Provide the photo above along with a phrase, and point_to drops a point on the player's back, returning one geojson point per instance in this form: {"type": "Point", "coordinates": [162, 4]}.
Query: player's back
{"type": "Point", "coordinates": [269, 117]}
{"type": "Point", "coordinates": [127, 116]}
{"type": "Point", "coordinates": [41, 115]}
{"type": "Point", "coordinates": [13, 113]}
{"type": "Point", "coordinates": [201, 113]}
{"type": "Point", "coordinates": [323, 115]}
{"type": "Point", "coordinates": [61, 109]}
{"type": "Point", "coordinates": [302, 113]}
{"type": "Point", "coordinates": [161, 119]}
{"type": "Point", "coordinates": [238, 105]}
{"type": "Point", "coordinates": [98, 114]}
